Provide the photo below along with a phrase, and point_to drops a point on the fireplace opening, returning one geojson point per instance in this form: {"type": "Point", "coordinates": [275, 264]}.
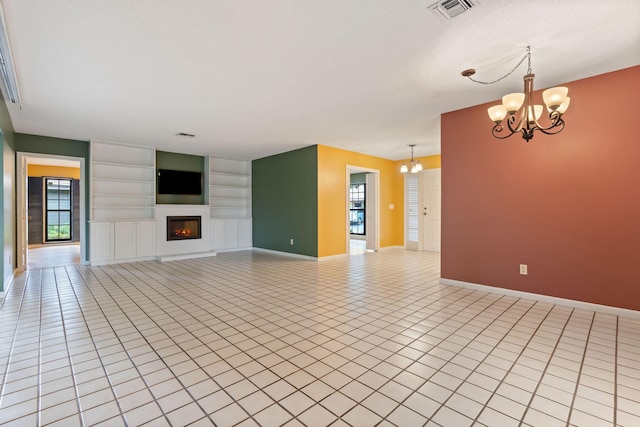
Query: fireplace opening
{"type": "Point", "coordinates": [183, 227]}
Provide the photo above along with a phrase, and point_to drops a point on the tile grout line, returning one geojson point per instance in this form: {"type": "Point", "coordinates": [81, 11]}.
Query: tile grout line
{"type": "Point", "coordinates": [345, 337]}
{"type": "Point", "coordinates": [389, 380]}
{"type": "Point", "coordinates": [615, 375]}
{"type": "Point", "coordinates": [154, 350]}
{"type": "Point", "coordinates": [458, 353]}
{"type": "Point", "coordinates": [584, 355]}
{"type": "Point", "coordinates": [177, 377]}
{"type": "Point", "coordinates": [555, 347]}
{"type": "Point", "coordinates": [39, 387]}
{"type": "Point", "coordinates": [302, 338]}
{"type": "Point", "coordinates": [13, 339]}
{"type": "Point", "coordinates": [515, 323]}
{"type": "Point", "coordinates": [95, 346]}
{"type": "Point", "coordinates": [70, 357]}
{"type": "Point", "coordinates": [142, 377]}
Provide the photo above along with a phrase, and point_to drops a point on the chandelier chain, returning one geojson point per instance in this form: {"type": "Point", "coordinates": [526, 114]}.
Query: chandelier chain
{"type": "Point", "coordinates": [527, 56]}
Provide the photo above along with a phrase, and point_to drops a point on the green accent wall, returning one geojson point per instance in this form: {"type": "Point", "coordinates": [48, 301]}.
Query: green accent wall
{"type": "Point", "coordinates": [25, 143]}
{"type": "Point", "coordinates": [285, 202]}
{"type": "Point", "coordinates": [180, 162]}
{"type": "Point", "coordinates": [49, 145]}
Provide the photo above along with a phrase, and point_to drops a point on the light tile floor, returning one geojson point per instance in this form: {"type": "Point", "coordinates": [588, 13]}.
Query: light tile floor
{"type": "Point", "coordinates": [251, 338]}
{"type": "Point", "coordinates": [53, 255]}
{"type": "Point", "coordinates": [357, 247]}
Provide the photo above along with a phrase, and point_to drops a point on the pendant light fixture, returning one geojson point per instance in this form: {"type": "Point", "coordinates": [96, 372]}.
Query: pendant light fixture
{"type": "Point", "coordinates": [416, 166]}
{"type": "Point", "coordinates": [519, 110]}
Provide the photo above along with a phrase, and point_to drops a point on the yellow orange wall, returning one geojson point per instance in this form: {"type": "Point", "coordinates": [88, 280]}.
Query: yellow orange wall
{"type": "Point", "coordinates": [54, 171]}
{"type": "Point", "coordinates": [332, 206]}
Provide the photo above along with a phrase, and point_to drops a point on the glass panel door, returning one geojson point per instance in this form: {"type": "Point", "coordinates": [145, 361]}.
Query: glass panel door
{"type": "Point", "coordinates": [357, 209]}
{"type": "Point", "coordinates": [58, 208]}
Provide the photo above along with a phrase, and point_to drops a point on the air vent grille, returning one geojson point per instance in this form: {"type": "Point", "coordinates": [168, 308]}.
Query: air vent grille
{"type": "Point", "coordinates": [449, 9]}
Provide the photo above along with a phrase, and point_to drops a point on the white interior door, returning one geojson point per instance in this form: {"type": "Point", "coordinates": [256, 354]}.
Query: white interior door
{"type": "Point", "coordinates": [431, 216]}
{"type": "Point", "coordinates": [371, 203]}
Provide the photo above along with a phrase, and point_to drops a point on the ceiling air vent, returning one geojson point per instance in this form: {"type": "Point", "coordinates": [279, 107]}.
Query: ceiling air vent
{"type": "Point", "coordinates": [449, 9]}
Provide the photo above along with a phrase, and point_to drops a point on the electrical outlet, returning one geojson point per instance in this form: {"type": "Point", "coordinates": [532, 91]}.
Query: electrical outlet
{"type": "Point", "coordinates": [523, 269]}
{"type": "Point", "coordinates": [291, 242]}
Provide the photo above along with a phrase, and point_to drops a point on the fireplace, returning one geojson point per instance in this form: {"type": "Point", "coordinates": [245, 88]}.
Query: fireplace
{"type": "Point", "coordinates": [183, 227]}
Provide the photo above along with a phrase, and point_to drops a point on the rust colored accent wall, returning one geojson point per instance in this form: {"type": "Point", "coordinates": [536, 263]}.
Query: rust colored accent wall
{"type": "Point", "coordinates": [567, 205]}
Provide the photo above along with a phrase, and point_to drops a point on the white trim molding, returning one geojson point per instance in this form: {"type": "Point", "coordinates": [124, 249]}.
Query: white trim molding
{"type": "Point", "coordinates": [617, 311]}
{"type": "Point", "coordinates": [287, 254]}
{"type": "Point", "coordinates": [7, 286]}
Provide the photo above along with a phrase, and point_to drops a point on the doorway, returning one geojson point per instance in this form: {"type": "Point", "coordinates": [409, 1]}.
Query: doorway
{"type": "Point", "coordinates": [423, 210]}
{"type": "Point", "coordinates": [51, 211]}
{"type": "Point", "coordinates": [363, 210]}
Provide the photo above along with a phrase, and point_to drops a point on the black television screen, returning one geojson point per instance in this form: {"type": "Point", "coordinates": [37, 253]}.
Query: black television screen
{"type": "Point", "coordinates": [179, 182]}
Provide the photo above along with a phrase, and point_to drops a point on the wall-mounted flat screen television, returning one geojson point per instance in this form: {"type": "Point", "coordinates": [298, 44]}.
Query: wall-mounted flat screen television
{"type": "Point", "coordinates": [179, 182]}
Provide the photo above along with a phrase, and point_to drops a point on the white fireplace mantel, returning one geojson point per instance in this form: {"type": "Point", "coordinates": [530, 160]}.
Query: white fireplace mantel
{"type": "Point", "coordinates": [181, 249]}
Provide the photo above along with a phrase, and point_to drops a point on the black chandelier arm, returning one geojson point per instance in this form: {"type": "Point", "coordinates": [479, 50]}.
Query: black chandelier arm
{"type": "Point", "coordinates": [497, 129]}
{"type": "Point", "coordinates": [527, 134]}
{"type": "Point", "coordinates": [556, 127]}
{"type": "Point", "coordinates": [500, 131]}
{"type": "Point", "coordinates": [511, 121]}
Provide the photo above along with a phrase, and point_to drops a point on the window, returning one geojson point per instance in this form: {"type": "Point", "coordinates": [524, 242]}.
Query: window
{"type": "Point", "coordinates": [58, 209]}
{"type": "Point", "coordinates": [357, 209]}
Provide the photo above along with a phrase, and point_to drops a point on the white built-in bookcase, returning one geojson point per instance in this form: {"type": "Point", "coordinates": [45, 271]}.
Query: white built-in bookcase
{"type": "Point", "coordinates": [123, 203]}
{"type": "Point", "coordinates": [122, 182]}
{"type": "Point", "coordinates": [230, 203]}
{"type": "Point", "coordinates": [229, 188]}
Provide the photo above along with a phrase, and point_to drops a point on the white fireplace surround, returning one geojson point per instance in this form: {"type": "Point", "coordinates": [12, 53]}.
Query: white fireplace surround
{"type": "Point", "coordinates": [181, 249]}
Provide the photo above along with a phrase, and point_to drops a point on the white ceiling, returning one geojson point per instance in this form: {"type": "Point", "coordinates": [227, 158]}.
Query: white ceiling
{"type": "Point", "coordinates": [253, 78]}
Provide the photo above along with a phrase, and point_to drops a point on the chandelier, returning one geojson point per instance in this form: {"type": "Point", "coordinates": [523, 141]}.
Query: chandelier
{"type": "Point", "coordinates": [416, 166]}
{"type": "Point", "coordinates": [519, 110]}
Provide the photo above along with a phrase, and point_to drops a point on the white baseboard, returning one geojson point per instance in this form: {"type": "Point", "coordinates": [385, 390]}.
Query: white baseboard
{"type": "Point", "coordinates": [329, 257]}
{"type": "Point", "coordinates": [119, 261]}
{"type": "Point", "coordinates": [544, 298]}
{"type": "Point", "coordinates": [245, 248]}
{"type": "Point", "coordinates": [8, 284]}
{"type": "Point", "coordinates": [287, 254]}
{"type": "Point", "coordinates": [386, 248]}
{"type": "Point", "coordinates": [164, 258]}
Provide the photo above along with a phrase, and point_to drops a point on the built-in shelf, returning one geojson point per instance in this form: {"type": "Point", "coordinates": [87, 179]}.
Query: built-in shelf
{"type": "Point", "coordinates": [229, 188]}
{"type": "Point", "coordinates": [122, 182]}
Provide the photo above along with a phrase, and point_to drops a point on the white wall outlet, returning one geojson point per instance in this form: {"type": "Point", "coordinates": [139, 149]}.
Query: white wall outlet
{"type": "Point", "coordinates": [392, 206]}
{"type": "Point", "coordinates": [291, 242]}
{"type": "Point", "coordinates": [523, 269]}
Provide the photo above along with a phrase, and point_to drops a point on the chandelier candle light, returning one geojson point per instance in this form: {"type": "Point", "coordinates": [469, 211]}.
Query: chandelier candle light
{"type": "Point", "coordinates": [416, 166]}
{"type": "Point", "coordinates": [522, 114]}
